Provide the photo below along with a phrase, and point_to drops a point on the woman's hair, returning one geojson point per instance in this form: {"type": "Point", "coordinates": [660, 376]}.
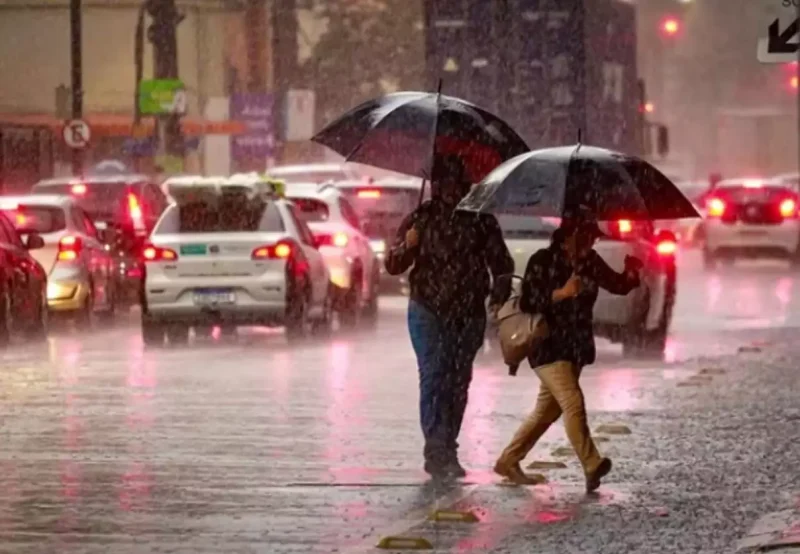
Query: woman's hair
{"type": "Point", "coordinates": [559, 236]}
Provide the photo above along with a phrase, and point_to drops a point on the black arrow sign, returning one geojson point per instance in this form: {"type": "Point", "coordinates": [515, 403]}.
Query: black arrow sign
{"type": "Point", "coordinates": [779, 41]}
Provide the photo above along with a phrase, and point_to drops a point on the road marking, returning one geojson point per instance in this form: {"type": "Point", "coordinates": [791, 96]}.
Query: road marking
{"type": "Point", "coordinates": [414, 518]}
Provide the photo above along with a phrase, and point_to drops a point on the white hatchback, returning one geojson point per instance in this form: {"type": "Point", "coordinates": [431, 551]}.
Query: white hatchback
{"type": "Point", "coordinates": [751, 218]}
{"type": "Point", "coordinates": [353, 266]}
{"type": "Point", "coordinates": [228, 253]}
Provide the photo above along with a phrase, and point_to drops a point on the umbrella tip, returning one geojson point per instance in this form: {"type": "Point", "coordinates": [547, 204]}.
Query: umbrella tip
{"type": "Point", "coordinates": [580, 133]}
{"type": "Point", "coordinates": [439, 87]}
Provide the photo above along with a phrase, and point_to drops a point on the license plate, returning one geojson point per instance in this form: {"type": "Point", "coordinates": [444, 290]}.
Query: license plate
{"type": "Point", "coordinates": [210, 297]}
{"type": "Point", "coordinates": [193, 249]}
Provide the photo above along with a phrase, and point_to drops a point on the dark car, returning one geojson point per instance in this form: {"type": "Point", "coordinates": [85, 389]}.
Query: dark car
{"type": "Point", "coordinates": [124, 208]}
{"type": "Point", "coordinates": [23, 286]}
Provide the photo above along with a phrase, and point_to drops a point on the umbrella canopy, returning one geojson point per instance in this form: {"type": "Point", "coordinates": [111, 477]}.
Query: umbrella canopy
{"type": "Point", "coordinates": [401, 131]}
{"type": "Point", "coordinates": [556, 181]}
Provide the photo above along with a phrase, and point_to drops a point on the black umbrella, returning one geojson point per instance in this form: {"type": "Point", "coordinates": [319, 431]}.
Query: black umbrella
{"type": "Point", "coordinates": [556, 181]}
{"type": "Point", "coordinates": [401, 131]}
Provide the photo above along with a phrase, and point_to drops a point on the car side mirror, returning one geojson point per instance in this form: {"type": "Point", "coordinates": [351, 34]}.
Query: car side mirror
{"type": "Point", "coordinates": [34, 242]}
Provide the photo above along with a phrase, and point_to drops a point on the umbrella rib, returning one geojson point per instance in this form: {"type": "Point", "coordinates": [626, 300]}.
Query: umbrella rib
{"type": "Point", "coordinates": [377, 123]}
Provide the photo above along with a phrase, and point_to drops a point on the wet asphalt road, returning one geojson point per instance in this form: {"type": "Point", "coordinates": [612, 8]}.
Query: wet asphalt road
{"type": "Point", "coordinates": [255, 446]}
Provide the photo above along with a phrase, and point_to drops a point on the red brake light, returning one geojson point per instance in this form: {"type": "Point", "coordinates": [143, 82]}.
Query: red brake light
{"type": "Point", "coordinates": [624, 226]}
{"type": "Point", "coordinates": [68, 248]}
{"type": "Point", "coordinates": [369, 193]}
{"type": "Point", "coordinates": [152, 253]}
{"type": "Point", "coordinates": [716, 207]}
{"type": "Point", "coordinates": [666, 247]}
{"type": "Point", "coordinates": [340, 240]}
{"type": "Point", "coordinates": [788, 208]}
{"type": "Point", "coordinates": [280, 251]}
{"type": "Point", "coordinates": [79, 189]}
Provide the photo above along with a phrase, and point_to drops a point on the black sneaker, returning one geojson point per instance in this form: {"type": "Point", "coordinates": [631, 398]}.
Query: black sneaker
{"type": "Point", "coordinates": [593, 479]}
{"type": "Point", "coordinates": [455, 468]}
{"type": "Point", "coordinates": [437, 470]}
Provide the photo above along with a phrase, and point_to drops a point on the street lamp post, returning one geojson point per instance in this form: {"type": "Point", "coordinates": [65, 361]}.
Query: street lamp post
{"type": "Point", "coordinates": [76, 61]}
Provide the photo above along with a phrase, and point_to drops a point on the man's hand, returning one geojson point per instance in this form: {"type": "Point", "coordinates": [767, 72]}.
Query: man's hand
{"type": "Point", "coordinates": [412, 238]}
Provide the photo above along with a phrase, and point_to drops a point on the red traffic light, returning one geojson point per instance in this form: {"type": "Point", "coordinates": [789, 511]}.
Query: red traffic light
{"type": "Point", "coordinates": [670, 26]}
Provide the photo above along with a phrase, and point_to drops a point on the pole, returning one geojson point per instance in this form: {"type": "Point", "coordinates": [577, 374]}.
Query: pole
{"type": "Point", "coordinates": [76, 59]}
{"type": "Point", "coordinates": [138, 62]}
{"type": "Point", "coordinates": [165, 44]}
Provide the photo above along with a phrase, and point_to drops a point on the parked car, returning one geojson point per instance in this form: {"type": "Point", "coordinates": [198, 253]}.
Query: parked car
{"type": "Point", "coordinates": [23, 285]}
{"type": "Point", "coordinates": [79, 266]}
{"type": "Point", "coordinates": [639, 320]}
{"type": "Point", "coordinates": [231, 252]}
{"type": "Point", "coordinates": [751, 218]}
{"type": "Point", "coordinates": [128, 207]}
{"type": "Point", "coordinates": [354, 267]}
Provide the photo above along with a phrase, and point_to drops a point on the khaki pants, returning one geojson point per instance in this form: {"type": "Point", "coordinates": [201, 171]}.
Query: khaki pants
{"type": "Point", "coordinates": [559, 393]}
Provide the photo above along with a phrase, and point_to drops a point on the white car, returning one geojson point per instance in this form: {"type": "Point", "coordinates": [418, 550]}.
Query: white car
{"type": "Point", "coordinates": [312, 173]}
{"type": "Point", "coordinates": [353, 266]}
{"type": "Point", "coordinates": [639, 320]}
{"type": "Point", "coordinates": [751, 218]}
{"type": "Point", "coordinates": [231, 252]}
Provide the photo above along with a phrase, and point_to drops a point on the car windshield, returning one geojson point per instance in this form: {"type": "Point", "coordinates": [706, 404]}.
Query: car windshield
{"type": "Point", "coordinates": [382, 209]}
{"type": "Point", "coordinates": [101, 200]}
{"type": "Point", "coordinates": [37, 219]}
{"type": "Point", "coordinates": [516, 227]}
{"type": "Point", "coordinates": [311, 210]}
{"type": "Point", "coordinates": [230, 215]}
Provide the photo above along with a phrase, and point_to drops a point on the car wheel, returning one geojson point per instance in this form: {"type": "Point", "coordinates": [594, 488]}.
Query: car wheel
{"type": "Point", "coordinates": [227, 331]}
{"type": "Point", "coordinates": [107, 315]}
{"type": "Point", "coordinates": [324, 325]}
{"type": "Point", "coordinates": [39, 326]}
{"type": "Point", "coordinates": [371, 309]}
{"type": "Point", "coordinates": [297, 315]}
{"type": "Point", "coordinates": [203, 331]}
{"type": "Point", "coordinates": [6, 318]}
{"type": "Point", "coordinates": [350, 315]}
{"type": "Point", "coordinates": [177, 334]}
{"type": "Point", "coordinates": [641, 342]}
{"type": "Point", "coordinates": [152, 332]}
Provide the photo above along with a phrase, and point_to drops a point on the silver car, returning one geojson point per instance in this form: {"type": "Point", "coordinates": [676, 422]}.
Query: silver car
{"type": "Point", "coordinates": [234, 256]}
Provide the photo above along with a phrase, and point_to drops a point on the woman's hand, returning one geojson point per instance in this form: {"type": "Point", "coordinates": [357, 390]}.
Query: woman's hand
{"type": "Point", "coordinates": [570, 289]}
{"type": "Point", "coordinates": [412, 238]}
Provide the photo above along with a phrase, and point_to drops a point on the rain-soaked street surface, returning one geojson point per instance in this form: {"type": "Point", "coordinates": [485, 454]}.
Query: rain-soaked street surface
{"type": "Point", "coordinates": [260, 447]}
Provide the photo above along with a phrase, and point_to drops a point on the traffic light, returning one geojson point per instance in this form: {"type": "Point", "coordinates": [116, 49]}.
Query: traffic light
{"type": "Point", "coordinates": [670, 26]}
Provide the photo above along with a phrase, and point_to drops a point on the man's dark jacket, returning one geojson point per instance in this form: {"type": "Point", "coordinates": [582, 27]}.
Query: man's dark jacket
{"type": "Point", "coordinates": [452, 261]}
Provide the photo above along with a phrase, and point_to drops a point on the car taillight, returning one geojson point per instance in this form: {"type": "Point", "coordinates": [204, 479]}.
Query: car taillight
{"type": "Point", "coordinates": [788, 208]}
{"type": "Point", "coordinates": [667, 247]}
{"type": "Point", "coordinates": [152, 253]}
{"type": "Point", "coordinates": [369, 193]}
{"type": "Point", "coordinates": [134, 209]}
{"type": "Point", "coordinates": [339, 240]}
{"type": "Point", "coordinates": [79, 189]}
{"type": "Point", "coordinates": [279, 251]}
{"type": "Point", "coordinates": [69, 248]}
{"type": "Point", "coordinates": [715, 207]}
{"type": "Point", "coordinates": [624, 226]}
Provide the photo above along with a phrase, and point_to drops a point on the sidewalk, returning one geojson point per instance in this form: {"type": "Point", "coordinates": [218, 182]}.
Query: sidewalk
{"type": "Point", "coordinates": [714, 445]}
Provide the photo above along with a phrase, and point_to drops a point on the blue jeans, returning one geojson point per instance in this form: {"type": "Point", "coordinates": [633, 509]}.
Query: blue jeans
{"type": "Point", "coordinates": [445, 354]}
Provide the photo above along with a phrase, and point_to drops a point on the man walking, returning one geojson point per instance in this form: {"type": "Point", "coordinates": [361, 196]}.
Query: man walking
{"type": "Point", "coordinates": [453, 255]}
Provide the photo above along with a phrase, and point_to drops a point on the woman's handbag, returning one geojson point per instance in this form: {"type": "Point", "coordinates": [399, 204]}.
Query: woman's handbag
{"type": "Point", "coordinates": [518, 332]}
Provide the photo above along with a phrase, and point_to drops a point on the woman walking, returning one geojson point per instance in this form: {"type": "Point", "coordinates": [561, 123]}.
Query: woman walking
{"type": "Point", "coordinates": [561, 282]}
{"type": "Point", "coordinates": [453, 255]}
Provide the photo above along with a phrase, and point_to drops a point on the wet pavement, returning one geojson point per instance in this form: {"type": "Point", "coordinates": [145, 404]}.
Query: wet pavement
{"type": "Point", "coordinates": [255, 446]}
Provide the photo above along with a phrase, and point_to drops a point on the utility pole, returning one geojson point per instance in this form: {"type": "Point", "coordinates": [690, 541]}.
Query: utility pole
{"type": "Point", "coordinates": [76, 60]}
{"type": "Point", "coordinates": [162, 34]}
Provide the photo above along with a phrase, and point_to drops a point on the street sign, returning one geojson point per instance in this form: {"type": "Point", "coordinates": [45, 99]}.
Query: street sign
{"type": "Point", "coordinates": [779, 33]}
{"type": "Point", "coordinates": [162, 97]}
{"type": "Point", "coordinates": [77, 134]}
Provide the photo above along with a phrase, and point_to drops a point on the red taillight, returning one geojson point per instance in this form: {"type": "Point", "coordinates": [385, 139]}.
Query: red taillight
{"type": "Point", "coordinates": [280, 251]}
{"type": "Point", "coordinates": [624, 226]}
{"type": "Point", "coordinates": [134, 208]}
{"type": "Point", "coordinates": [667, 247]}
{"type": "Point", "coordinates": [21, 220]}
{"type": "Point", "coordinates": [79, 189]}
{"type": "Point", "coordinates": [788, 208]}
{"type": "Point", "coordinates": [69, 248]}
{"type": "Point", "coordinates": [152, 253]}
{"type": "Point", "coordinates": [716, 207]}
{"type": "Point", "coordinates": [369, 193]}
{"type": "Point", "coordinates": [340, 240]}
